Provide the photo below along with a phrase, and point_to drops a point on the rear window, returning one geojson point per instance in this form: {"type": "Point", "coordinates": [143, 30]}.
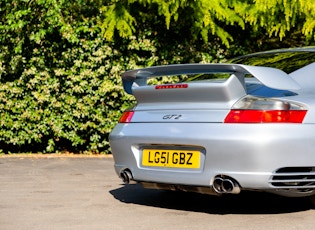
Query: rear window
{"type": "Point", "coordinates": [257, 89]}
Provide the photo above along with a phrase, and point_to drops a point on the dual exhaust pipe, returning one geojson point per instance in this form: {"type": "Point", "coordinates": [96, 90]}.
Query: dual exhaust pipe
{"type": "Point", "coordinates": [221, 184]}
{"type": "Point", "coordinates": [126, 176]}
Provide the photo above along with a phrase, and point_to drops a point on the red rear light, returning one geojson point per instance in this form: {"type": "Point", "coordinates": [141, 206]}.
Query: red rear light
{"type": "Point", "coordinates": [252, 109]}
{"type": "Point", "coordinates": [172, 86]}
{"type": "Point", "coordinates": [261, 116]}
{"type": "Point", "coordinates": [126, 117]}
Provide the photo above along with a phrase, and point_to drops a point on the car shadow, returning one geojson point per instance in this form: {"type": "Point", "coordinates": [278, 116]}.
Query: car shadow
{"type": "Point", "coordinates": [243, 203]}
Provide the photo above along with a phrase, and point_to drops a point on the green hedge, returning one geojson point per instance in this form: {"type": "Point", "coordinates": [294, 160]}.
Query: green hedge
{"type": "Point", "coordinates": [60, 86]}
{"type": "Point", "coordinates": [63, 108]}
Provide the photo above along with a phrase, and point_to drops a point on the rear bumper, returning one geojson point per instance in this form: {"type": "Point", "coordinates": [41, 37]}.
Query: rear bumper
{"type": "Point", "coordinates": [249, 153]}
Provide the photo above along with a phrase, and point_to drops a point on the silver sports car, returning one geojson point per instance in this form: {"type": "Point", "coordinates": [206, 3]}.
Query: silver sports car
{"type": "Point", "coordinates": [248, 124]}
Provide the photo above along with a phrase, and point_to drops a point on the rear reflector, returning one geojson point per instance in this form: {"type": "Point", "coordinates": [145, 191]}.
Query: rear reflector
{"type": "Point", "coordinates": [265, 116]}
{"type": "Point", "coordinates": [126, 117]}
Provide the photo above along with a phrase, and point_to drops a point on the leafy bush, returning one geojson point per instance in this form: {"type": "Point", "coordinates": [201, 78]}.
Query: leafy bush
{"type": "Point", "coordinates": [60, 85]}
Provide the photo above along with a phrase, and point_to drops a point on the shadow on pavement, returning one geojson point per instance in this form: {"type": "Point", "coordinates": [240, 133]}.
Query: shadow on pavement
{"type": "Point", "coordinates": [244, 203]}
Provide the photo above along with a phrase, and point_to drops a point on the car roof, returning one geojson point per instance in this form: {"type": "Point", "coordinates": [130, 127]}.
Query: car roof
{"type": "Point", "coordinates": [287, 60]}
{"type": "Point", "coordinates": [284, 50]}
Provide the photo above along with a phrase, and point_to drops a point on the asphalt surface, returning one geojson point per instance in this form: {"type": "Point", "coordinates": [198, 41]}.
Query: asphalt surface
{"type": "Point", "coordinates": [85, 193]}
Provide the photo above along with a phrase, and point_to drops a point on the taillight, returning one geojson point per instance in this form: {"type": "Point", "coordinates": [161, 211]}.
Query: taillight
{"type": "Point", "coordinates": [265, 110]}
{"type": "Point", "coordinates": [261, 116]}
{"type": "Point", "coordinates": [126, 117]}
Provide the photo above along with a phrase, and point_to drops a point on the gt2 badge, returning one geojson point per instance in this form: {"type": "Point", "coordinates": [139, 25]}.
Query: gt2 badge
{"type": "Point", "coordinates": [172, 117]}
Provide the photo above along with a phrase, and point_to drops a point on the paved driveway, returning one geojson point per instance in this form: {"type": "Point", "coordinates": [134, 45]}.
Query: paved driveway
{"type": "Point", "coordinates": [85, 193]}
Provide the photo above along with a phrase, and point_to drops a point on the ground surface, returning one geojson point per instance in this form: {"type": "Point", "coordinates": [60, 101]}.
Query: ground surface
{"type": "Point", "coordinates": [85, 193]}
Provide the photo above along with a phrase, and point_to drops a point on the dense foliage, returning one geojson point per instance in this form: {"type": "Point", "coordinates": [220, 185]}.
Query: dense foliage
{"type": "Point", "coordinates": [277, 20]}
{"type": "Point", "coordinates": [59, 79]}
{"type": "Point", "coordinates": [61, 60]}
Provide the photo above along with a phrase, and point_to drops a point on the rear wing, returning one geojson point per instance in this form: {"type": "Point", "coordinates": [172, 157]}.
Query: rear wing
{"type": "Point", "coordinates": [270, 77]}
{"type": "Point", "coordinates": [305, 76]}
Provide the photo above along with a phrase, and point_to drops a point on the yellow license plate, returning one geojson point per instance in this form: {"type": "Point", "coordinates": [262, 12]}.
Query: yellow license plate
{"type": "Point", "coordinates": [171, 158]}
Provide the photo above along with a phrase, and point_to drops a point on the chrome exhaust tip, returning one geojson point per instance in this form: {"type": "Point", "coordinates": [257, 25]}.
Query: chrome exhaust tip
{"type": "Point", "coordinates": [126, 176]}
{"type": "Point", "coordinates": [217, 185]}
{"type": "Point", "coordinates": [222, 184]}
